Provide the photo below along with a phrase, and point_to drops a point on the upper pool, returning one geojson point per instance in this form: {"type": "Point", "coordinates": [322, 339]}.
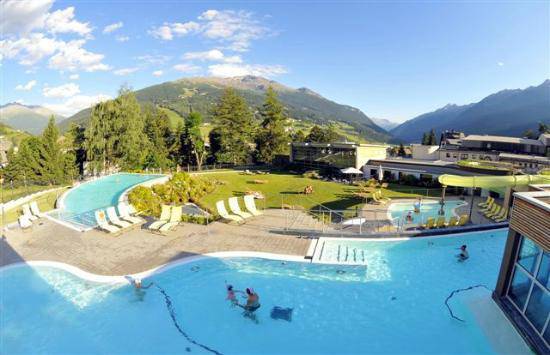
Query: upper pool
{"type": "Point", "coordinates": [428, 208]}
{"type": "Point", "coordinates": [394, 305]}
{"type": "Point", "coordinates": [79, 204]}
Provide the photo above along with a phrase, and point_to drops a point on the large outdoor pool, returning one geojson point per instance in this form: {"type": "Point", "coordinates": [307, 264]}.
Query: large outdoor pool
{"type": "Point", "coordinates": [399, 210]}
{"type": "Point", "coordinates": [80, 203]}
{"type": "Point", "coordinates": [394, 305]}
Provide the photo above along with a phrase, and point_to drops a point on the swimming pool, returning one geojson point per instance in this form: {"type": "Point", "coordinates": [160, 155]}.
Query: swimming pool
{"type": "Point", "coordinates": [398, 211]}
{"type": "Point", "coordinates": [78, 205]}
{"type": "Point", "coordinates": [394, 305]}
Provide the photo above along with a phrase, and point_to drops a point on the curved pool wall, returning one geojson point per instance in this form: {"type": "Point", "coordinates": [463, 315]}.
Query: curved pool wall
{"type": "Point", "coordinates": [433, 208]}
{"type": "Point", "coordinates": [394, 305]}
{"type": "Point", "coordinates": [76, 207]}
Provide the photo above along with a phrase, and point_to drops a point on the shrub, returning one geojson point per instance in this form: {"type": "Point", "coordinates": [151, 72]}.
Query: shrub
{"type": "Point", "coordinates": [145, 200]}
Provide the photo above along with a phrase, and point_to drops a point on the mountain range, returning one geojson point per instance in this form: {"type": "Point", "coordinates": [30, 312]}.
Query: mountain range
{"type": "Point", "coordinates": [201, 94]}
{"type": "Point", "coordinates": [505, 113]}
{"type": "Point", "coordinates": [28, 118]}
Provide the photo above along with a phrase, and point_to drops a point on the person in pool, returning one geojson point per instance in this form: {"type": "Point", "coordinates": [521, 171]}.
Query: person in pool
{"type": "Point", "coordinates": [252, 304]}
{"type": "Point", "coordinates": [139, 289]}
{"type": "Point", "coordinates": [409, 217]}
{"type": "Point", "coordinates": [231, 295]}
{"type": "Point", "coordinates": [463, 255]}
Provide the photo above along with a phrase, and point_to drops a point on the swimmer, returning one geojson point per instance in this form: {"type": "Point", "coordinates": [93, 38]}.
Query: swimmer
{"type": "Point", "coordinates": [409, 217]}
{"type": "Point", "coordinates": [231, 296]}
{"type": "Point", "coordinates": [252, 304]}
{"type": "Point", "coordinates": [138, 289]}
{"type": "Point", "coordinates": [463, 256]}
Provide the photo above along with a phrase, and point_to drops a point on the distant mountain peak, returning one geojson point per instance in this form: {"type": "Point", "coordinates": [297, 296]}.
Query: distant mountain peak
{"type": "Point", "coordinates": [30, 118]}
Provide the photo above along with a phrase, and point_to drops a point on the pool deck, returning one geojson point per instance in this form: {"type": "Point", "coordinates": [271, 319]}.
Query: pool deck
{"type": "Point", "coordinates": [138, 250]}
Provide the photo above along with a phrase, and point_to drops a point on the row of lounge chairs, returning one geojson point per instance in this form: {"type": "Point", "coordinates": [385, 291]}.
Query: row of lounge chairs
{"type": "Point", "coordinates": [111, 222]}
{"type": "Point", "coordinates": [237, 214]}
{"type": "Point", "coordinates": [431, 222]}
{"type": "Point", "coordinates": [30, 213]}
{"type": "Point", "coordinates": [378, 199]}
{"type": "Point", "coordinates": [170, 217]}
{"type": "Point", "coordinates": [493, 210]}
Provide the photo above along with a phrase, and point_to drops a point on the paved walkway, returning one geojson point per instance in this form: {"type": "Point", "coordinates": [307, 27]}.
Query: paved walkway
{"type": "Point", "coordinates": [139, 250]}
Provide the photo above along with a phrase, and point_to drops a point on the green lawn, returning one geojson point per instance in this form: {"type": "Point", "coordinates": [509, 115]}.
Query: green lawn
{"type": "Point", "coordinates": [45, 202]}
{"type": "Point", "coordinates": [9, 194]}
{"type": "Point", "coordinates": [284, 188]}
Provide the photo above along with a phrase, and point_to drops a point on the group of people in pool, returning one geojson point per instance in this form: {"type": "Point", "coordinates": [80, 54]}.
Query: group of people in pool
{"type": "Point", "coordinates": [252, 301]}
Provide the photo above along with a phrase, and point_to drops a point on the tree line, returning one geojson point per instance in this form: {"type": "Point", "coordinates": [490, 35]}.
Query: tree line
{"type": "Point", "coordinates": [123, 135]}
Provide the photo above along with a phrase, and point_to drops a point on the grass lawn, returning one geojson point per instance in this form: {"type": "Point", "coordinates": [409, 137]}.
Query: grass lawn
{"type": "Point", "coordinates": [15, 193]}
{"type": "Point", "coordinates": [45, 203]}
{"type": "Point", "coordinates": [286, 188]}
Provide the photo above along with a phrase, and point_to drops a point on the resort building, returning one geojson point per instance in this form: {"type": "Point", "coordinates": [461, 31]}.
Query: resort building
{"type": "Point", "coordinates": [523, 287]}
{"type": "Point", "coordinates": [335, 155]}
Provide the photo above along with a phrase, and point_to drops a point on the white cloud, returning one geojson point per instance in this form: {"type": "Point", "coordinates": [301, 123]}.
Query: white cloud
{"type": "Point", "coordinates": [122, 38]}
{"type": "Point", "coordinates": [62, 21]}
{"type": "Point", "coordinates": [62, 91]}
{"type": "Point", "coordinates": [214, 55]}
{"type": "Point", "coordinates": [74, 76]}
{"type": "Point", "coordinates": [156, 59]}
{"type": "Point", "coordinates": [158, 73]}
{"type": "Point", "coordinates": [27, 87]}
{"type": "Point", "coordinates": [167, 31]}
{"type": "Point", "coordinates": [125, 71]}
{"type": "Point", "coordinates": [186, 68]}
{"type": "Point", "coordinates": [30, 49]}
{"type": "Point", "coordinates": [235, 29]}
{"type": "Point", "coordinates": [72, 57]}
{"type": "Point", "coordinates": [113, 27]}
{"type": "Point", "coordinates": [76, 103]}
{"type": "Point", "coordinates": [21, 16]}
{"type": "Point", "coordinates": [229, 70]}
{"type": "Point", "coordinates": [500, 64]}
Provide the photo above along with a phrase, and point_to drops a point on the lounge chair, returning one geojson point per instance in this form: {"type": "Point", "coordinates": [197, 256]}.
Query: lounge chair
{"type": "Point", "coordinates": [35, 210]}
{"type": "Point", "coordinates": [113, 218]}
{"type": "Point", "coordinates": [488, 207]}
{"type": "Point", "coordinates": [222, 211]}
{"type": "Point", "coordinates": [462, 220]}
{"type": "Point", "coordinates": [383, 199]}
{"type": "Point", "coordinates": [27, 213]}
{"type": "Point", "coordinates": [102, 222]}
{"type": "Point", "coordinates": [502, 216]}
{"type": "Point", "coordinates": [175, 219]}
{"type": "Point", "coordinates": [236, 209]}
{"type": "Point", "coordinates": [430, 223]}
{"type": "Point", "coordinates": [440, 222]}
{"type": "Point", "coordinates": [164, 218]}
{"type": "Point", "coordinates": [250, 205]}
{"type": "Point", "coordinates": [124, 213]}
{"type": "Point", "coordinates": [484, 204]}
{"type": "Point", "coordinates": [24, 222]}
{"type": "Point", "coordinates": [495, 209]}
{"type": "Point", "coordinates": [453, 221]}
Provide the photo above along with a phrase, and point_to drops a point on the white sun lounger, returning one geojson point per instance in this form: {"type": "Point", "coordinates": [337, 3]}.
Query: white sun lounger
{"type": "Point", "coordinates": [24, 222]}
{"type": "Point", "coordinates": [27, 213]}
{"type": "Point", "coordinates": [220, 206]}
{"type": "Point", "coordinates": [236, 209]}
{"type": "Point", "coordinates": [175, 219]}
{"type": "Point", "coordinates": [101, 220]}
{"type": "Point", "coordinates": [124, 213]}
{"type": "Point", "coordinates": [164, 217]}
{"type": "Point", "coordinates": [250, 205]}
{"type": "Point", "coordinates": [35, 210]}
{"type": "Point", "coordinates": [113, 218]}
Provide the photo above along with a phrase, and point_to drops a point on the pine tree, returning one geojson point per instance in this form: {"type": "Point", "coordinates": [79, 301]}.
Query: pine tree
{"type": "Point", "coordinates": [272, 138]}
{"type": "Point", "coordinates": [77, 139]}
{"type": "Point", "coordinates": [51, 156]}
{"type": "Point", "coordinates": [425, 139]}
{"type": "Point", "coordinates": [129, 128]}
{"type": "Point", "coordinates": [316, 135]}
{"type": "Point", "coordinates": [234, 123]}
{"type": "Point", "coordinates": [401, 151]}
{"type": "Point", "coordinates": [432, 140]}
{"type": "Point", "coordinates": [157, 129]}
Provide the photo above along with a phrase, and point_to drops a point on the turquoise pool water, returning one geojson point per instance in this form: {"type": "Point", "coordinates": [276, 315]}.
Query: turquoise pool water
{"type": "Point", "coordinates": [81, 202]}
{"type": "Point", "coordinates": [394, 305]}
{"type": "Point", "coordinates": [399, 210]}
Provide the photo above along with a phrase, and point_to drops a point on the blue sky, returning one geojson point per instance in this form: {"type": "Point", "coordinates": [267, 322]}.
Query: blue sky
{"type": "Point", "coordinates": [392, 60]}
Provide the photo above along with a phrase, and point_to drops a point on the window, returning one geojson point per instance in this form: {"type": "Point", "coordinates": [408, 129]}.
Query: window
{"type": "Point", "coordinates": [519, 288]}
{"type": "Point", "coordinates": [544, 270]}
{"type": "Point", "coordinates": [538, 307]}
{"type": "Point", "coordinates": [448, 155]}
{"type": "Point", "coordinates": [528, 254]}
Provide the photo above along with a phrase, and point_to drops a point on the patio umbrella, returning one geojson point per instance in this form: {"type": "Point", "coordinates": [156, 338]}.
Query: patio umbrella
{"type": "Point", "coordinates": [380, 173]}
{"type": "Point", "coordinates": [351, 171]}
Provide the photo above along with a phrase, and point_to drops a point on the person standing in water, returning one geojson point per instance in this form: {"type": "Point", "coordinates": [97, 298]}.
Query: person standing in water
{"type": "Point", "coordinates": [139, 289]}
{"type": "Point", "coordinates": [463, 255]}
{"type": "Point", "coordinates": [252, 304]}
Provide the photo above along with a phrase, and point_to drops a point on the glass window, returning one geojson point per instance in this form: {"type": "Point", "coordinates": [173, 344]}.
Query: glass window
{"type": "Point", "coordinates": [528, 254]}
{"type": "Point", "coordinates": [519, 288]}
{"type": "Point", "coordinates": [544, 270]}
{"type": "Point", "coordinates": [538, 307]}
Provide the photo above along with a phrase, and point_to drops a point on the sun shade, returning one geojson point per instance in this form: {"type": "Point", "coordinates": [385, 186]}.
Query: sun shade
{"type": "Point", "coordinates": [488, 182]}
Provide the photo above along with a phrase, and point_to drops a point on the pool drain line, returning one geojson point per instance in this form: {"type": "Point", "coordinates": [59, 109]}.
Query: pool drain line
{"type": "Point", "coordinates": [172, 312]}
{"type": "Point", "coordinates": [456, 292]}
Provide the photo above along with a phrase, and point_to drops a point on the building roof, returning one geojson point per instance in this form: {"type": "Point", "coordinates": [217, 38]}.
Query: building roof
{"type": "Point", "coordinates": [437, 167]}
{"type": "Point", "coordinates": [502, 139]}
{"type": "Point", "coordinates": [337, 145]}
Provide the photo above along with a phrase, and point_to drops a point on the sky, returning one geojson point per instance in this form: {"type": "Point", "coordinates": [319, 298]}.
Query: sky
{"type": "Point", "coordinates": [392, 60]}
